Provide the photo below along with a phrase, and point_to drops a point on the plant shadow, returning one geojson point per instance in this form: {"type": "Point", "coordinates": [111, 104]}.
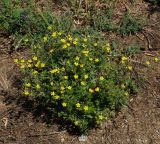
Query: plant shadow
{"type": "Point", "coordinates": [153, 7]}
{"type": "Point", "coordinates": [21, 105]}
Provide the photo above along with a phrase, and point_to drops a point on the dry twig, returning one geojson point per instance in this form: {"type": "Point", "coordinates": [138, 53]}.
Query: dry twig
{"type": "Point", "coordinates": [47, 134]}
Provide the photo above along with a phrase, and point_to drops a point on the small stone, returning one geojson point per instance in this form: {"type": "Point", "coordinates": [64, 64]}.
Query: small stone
{"type": "Point", "coordinates": [62, 140]}
{"type": "Point", "coordinates": [131, 100]}
{"type": "Point", "coordinates": [83, 138]}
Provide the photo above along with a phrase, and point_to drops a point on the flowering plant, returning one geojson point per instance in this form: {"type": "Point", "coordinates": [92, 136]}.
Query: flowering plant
{"type": "Point", "coordinates": [80, 78]}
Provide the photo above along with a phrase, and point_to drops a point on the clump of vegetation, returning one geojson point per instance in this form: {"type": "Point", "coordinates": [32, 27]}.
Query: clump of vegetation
{"type": "Point", "coordinates": [100, 16]}
{"type": "Point", "coordinates": [130, 25]}
{"type": "Point", "coordinates": [103, 21]}
{"type": "Point", "coordinates": [27, 22]}
{"type": "Point", "coordinates": [154, 1]}
{"type": "Point", "coordinates": [18, 18]}
{"type": "Point", "coordinates": [81, 78]}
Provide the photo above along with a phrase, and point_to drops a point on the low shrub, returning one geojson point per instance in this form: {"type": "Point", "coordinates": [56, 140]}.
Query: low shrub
{"type": "Point", "coordinates": [104, 21]}
{"type": "Point", "coordinates": [154, 1]}
{"type": "Point", "coordinates": [27, 22]}
{"type": "Point", "coordinates": [130, 24]}
{"type": "Point", "coordinates": [81, 78]}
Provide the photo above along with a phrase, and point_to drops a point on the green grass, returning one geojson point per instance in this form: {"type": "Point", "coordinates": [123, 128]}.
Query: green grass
{"type": "Point", "coordinates": [28, 23]}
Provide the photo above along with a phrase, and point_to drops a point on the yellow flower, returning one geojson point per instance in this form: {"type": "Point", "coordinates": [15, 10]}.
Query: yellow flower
{"type": "Point", "coordinates": [126, 94]}
{"type": "Point", "coordinates": [51, 50]}
{"type": "Point", "coordinates": [108, 45]}
{"type": "Point", "coordinates": [54, 34]}
{"type": "Point", "coordinates": [35, 72]}
{"type": "Point", "coordinates": [65, 46]}
{"type": "Point", "coordinates": [76, 123]}
{"type": "Point", "coordinates": [28, 84]}
{"type": "Point", "coordinates": [148, 63]}
{"type": "Point", "coordinates": [83, 45]}
{"type": "Point", "coordinates": [68, 61]}
{"type": "Point", "coordinates": [83, 83]}
{"type": "Point", "coordinates": [101, 78]}
{"type": "Point", "coordinates": [75, 42]}
{"type": "Point", "coordinates": [85, 108]}
{"type": "Point", "coordinates": [91, 59]}
{"type": "Point", "coordinates": [51, 83]}
{"type": "Point", "coordinates": [97, 89]}
{"type": "Point", "coordinates": [35, 58]}
{"type": "Point", "coordinates": [78, 105]}
{"type": "Point", "coordinates": [101, 117]}
{"type": "Point", "coordinates": [16, 60]}
{"type": "Point", "coordinates": [63, 40]}
{"type": "Point", "coordinates": [69, 87]}
{"type": "Point", "coordinates": [45, 39]}
{"type": "Point", "coordinates": [54, 71]}
{"type": "Point", "coordinates": [26, 92]}
{"type": "Point", "coordinates": [37, 64]}
{"type": "Point", "coordinates": [62, 88]}
{"type": "Point", "coordinates": [29, 61]}
{"type": "Point", "coordinates": [96, 60]}
{"type": "Point", "coordinates": [86, 76]}
{"type": "Point", "coordinates": [108, 49]}
{"type": "Point", "coordinates": [53, 93]}
{"type": "Point", "coordinates": [22, 60]}
{"type": "Point", "coordinates": [85, 40]}
{"type": "Point", "coordinates": [76, 63]}
{"type": "Point", "coordinates": [60, 33]}
{"type": "Point", "coordinates": [156, 59]}
{"type": "Point", "coordinates": [85, 52]}
{"type": "Point", "coordinates": [123, 86]}
{"type": "Point", "coordinates": [76, 39]}
{"type": "Point", "coordinates": [65, 77]}
{"type": "Point", "coordinates": [81, 65]}
{"type": "Point", "coordinates": [34, 46]}
{"type": "Point", "coordinates": [77, 58]}
{"type": "Point", "coordinates": [70, 38]}
{"type": "Point", "coordinates": [68, 44]}
{"type": "Point", "coordinates": [62, 92]}
{"type": "Point", "coordinates": [49, 27]}
{"type": "Point", "coordinates": [124, 58]}
{"type": "Point", "coordinates": [56, 97]}
{"type": "Point", "coordinates": [22, 66]}
{"type": "Point", "coordinates": [38, 86]}
{"type": "Point", "coordinates": [64, 104]}
{"type": "Point", "coordinates": [90, 90]}
{"type": "Point", "coordinates": [76, 76]}
{"type": "Point", "coordinates": [95, 44]}
{"type": "Point", "coordinates": [26, 40]}
{"type": "Point", "coordinates": [42, 65]}
{"type": "Point", "coordinates": [29, 65]}
{"type": "Point", "coordinates": [130, 68]}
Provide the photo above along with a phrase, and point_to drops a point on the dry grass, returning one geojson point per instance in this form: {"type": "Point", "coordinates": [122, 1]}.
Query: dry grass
{"type": "Point", "coordinates": [5, 80]}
